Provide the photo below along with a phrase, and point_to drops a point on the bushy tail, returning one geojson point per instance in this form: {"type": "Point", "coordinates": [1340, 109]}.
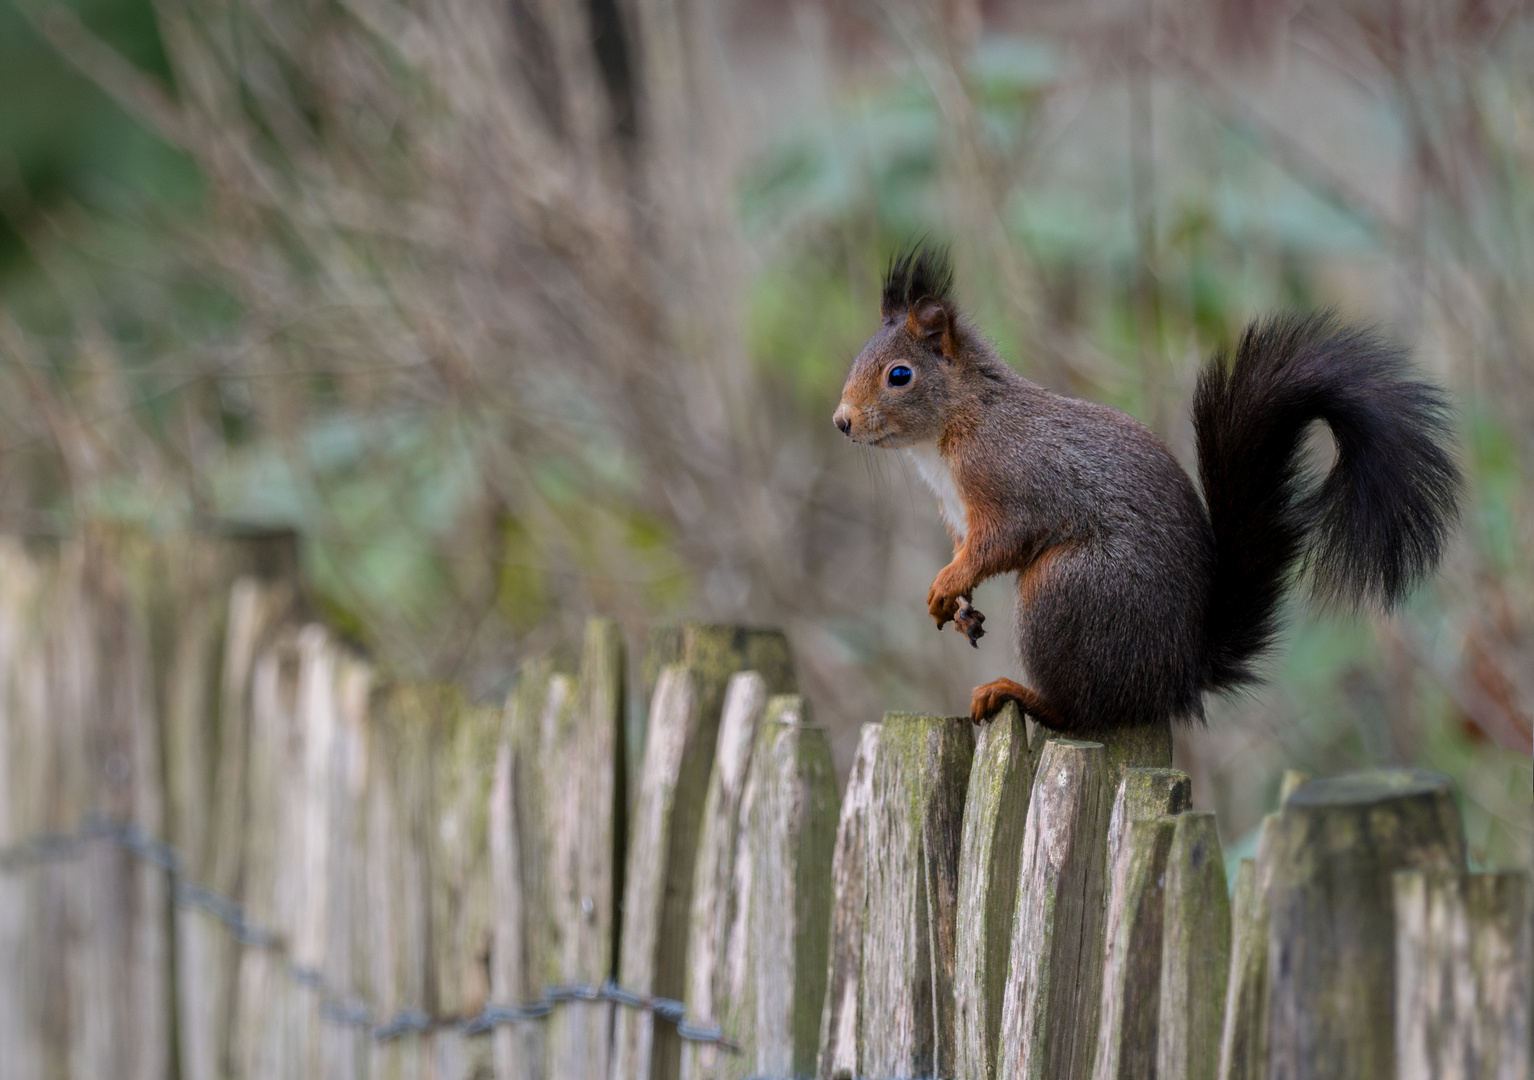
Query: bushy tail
{"type": "Point", "coordinates": [1366, 533]}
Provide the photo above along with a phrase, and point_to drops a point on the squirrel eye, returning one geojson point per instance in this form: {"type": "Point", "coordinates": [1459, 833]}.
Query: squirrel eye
{"type": "Point", "coordinates": [899, 375]}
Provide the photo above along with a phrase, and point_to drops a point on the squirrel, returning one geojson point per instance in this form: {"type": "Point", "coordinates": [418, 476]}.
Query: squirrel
{"type": "Point", "coordinates": [1134, 595]}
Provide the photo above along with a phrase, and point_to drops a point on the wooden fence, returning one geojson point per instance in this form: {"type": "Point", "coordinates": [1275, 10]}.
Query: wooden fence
{"type": "Point", "coordinates": [227, 852]}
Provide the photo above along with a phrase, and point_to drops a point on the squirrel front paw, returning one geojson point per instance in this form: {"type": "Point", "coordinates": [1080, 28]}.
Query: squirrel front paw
{"type": "Point", "coordinates": [948, 597]}
{"type": "Point", "coordinates": [969, 621]}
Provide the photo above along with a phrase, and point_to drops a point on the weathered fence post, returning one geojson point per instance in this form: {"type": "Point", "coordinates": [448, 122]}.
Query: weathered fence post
{"type": "Point", "coordinates": [1054, 974]}
{"type": "Point", "coordinates": [1147, 746]}
{"type": "Point", "coordinates": [1141, 794]}
{"type": "Point", "coordinates": [1331, 932]}
{"type": "Point", "coordinates": [791, 834]}
{"type": "Point", "coordinates": [915, 826]}
{"type": "Point", "coordinates": [672, 789]}
{"type": "Point", "coordinates": [1131, 993]}
{"type": "Point", "coordinates": [1195, 951]}
{"type": "Point", "coordinates": [523, 956]}
{"type": "Point", "coordinates": [1463, 951]}
{"type": "Point", "coordinates": [995, 816]}
{"type": "Point", "coordinates": [1244, 1031]}
{"type": "Point", "coordinates": [465, 737]}
{"type": "Point", "coordinates": [841, 1025]}
{"type": "Point", "coordinates": [714, 982]}
{"type": "Point", "coordinates": [27, 737]}
{"type": "Point", "coordinates": [582, 765]}
{"type": "Point", "coordinates": [655, 876]}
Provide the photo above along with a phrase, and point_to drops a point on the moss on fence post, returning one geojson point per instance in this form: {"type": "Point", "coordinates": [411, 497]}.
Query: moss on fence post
{"type": "Point", "coordinates": [995, 815]}
{"type": "Point", "coordinates": [1195, 951]}
{"type": "Point", "coordinates": [1054, 972]}
{"type": "Point", "coordinates": [914, 833]}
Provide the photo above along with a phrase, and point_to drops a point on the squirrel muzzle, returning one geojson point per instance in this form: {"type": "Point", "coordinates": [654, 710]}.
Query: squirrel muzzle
{"type": "Point", "coordinates": [843, 420]}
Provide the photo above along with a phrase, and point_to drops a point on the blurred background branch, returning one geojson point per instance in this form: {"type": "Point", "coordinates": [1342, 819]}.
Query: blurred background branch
{"type": "Point", "coordinates": [525, 310]}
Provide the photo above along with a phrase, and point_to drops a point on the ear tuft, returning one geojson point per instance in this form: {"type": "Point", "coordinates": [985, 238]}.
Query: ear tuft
{"type": "Point", "coordinates": [916, 273]}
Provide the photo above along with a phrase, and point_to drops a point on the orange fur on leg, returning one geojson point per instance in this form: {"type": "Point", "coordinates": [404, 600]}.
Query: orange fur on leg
{"type": "Point", "coordinates": [988, 699]}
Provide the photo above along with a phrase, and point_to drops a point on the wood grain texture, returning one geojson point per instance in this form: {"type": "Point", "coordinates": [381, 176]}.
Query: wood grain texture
{"type": "Point", "coordinates": [1054, 973]}
{"type": "Point", "coordinates": [791, 835]}
{"type": "Point", "coordinates": [465, 736]}
{"type": "Point", "coordinates": [915, 827]}
{"type": "Point", "coordinates": [583, 768]}
{"type": "Point", "coordinates": [1244, 1031]}
{"type": "Point", "coordinates": [1143, 793]}
{"type": "Point", "coordinates": [1462, 975]}
{"type": "Point", "coordinates": [841, 1019]}
{"type": "Point", "coordinates": [1331, 931]}
{"type": "Point", "coordinates": [711, 653]}
{"type": "Point", "coordinates": [520, 962]}
{"type": "Point", "coordinates": [27, 761]}
{"type": "Point", "coordinates": [995, 816]}
{"type": "Point", "coordinates": [1146, 747]}
{"type": "Point", "coordinates": [1195, 951]}
{"type": "Point", "coordinates": [716, 974]}
{"type": "Point", "coordinates": [1130, 1010]}
{"type": "Point", "coordinates": [653, 925]}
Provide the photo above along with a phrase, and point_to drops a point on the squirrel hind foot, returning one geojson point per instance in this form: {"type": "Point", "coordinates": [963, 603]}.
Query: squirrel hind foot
{"type": "Point", "coordinates": [987, 700]}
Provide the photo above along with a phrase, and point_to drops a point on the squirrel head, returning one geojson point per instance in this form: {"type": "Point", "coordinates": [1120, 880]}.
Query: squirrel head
{"type": "Point", "coordinates": [911, 374]}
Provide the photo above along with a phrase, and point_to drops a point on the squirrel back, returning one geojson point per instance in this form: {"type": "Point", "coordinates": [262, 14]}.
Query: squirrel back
{"type": "Point", "coordinates": [1134, 596]}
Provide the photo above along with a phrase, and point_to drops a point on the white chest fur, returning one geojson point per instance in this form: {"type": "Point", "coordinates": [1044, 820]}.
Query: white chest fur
{"type": "Point", "coordinates": [935, 471]}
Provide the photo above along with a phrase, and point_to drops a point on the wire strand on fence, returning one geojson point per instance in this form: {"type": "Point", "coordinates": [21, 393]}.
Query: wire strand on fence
{"type": "Point", "coordinates": [335, 1006]}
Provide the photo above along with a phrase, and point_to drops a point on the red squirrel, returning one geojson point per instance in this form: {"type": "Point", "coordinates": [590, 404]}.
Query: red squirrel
{"type": "Point", "coordinates": [1135, 596]}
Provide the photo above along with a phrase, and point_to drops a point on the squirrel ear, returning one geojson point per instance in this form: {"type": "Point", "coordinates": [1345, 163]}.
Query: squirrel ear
{"type": "Point", "coordinates": [928, 321]}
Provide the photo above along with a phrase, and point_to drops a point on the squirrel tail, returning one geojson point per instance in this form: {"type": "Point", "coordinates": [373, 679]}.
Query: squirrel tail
{"type": "Point", "coordinates": [1373, 527]}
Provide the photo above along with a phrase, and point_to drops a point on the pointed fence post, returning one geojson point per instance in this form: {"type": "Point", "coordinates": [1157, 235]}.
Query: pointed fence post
{"type": "Point", "coordinates": [791, 834]}
{"type": "Point", "coordinates": [1195, 951]}
{"type": "Point", "coordinates": [995, 817]}
{"type": "Point", "coordinates": [841, 1027]}
{"type": "Point", "coordinates": [714, 972]}
{"type": "Point", "coordinates": [668, 819]}
{"type": "Point", "coordinates": [1131, 1001]}
{"type": "Point", "coordinates": [582, 767]}
{"type": "Point", "coordinates": [914, 832]}
{"type": "Point", "coordinates": [521, 959]}
{"type": "Point", "coordinates": [1054, 974]}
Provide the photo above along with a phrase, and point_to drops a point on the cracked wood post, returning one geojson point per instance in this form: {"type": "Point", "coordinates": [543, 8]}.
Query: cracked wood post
{"type": "Point", "coordinates": [1131, 994]}
{"type": "Point", "coordinates": [1462, 975]}
{"type": "Point", "coordinates": [995, 815]}
{"type": "Point", "coordinates": [1331, 931]}
{"type": "Point", "coordinates": [1054, 972]}
{"type": "Point", "coordinates": [840, 1022]}
{"type": "Point", "coordinates": [716, 900]}
{"type": "Point", "coordinates": [914, 829]}
{"type": "Point", "coordinates": [1195, 951]}
{"type": "Point", "coordinates": [790, 833]}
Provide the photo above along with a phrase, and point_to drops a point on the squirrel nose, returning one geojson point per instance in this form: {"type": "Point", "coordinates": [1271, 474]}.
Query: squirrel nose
{"type": "Point", "coordinates": [843, 421]}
